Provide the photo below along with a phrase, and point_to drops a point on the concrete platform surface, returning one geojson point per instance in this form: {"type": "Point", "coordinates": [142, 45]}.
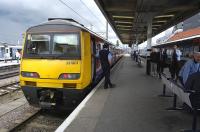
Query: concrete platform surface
{"type": "Point", "coordinates": [8, 63]}
{"type": "Point", "coordinates": [133, 106]}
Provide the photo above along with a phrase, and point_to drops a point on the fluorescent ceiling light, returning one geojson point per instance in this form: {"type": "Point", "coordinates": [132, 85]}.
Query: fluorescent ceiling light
{"type": "Point", "coordinates": [123, 22]}
{"type": "Point", "coordinates": [124, 26]}
{"type": "Point", "coordinates": [163, 21]}
{"type": "Point", "coordinates": [123, 17]}
{"type": "Point", "coordinates": [163, 16]}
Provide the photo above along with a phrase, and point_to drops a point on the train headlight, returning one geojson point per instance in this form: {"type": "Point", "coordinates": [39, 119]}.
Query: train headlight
{"type": "Point", "coordinates": [30, 74]}
{"type": "Point", "coordinates": [70, 76]}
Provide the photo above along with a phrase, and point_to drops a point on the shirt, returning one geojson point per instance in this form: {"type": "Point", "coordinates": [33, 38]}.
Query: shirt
{"type": "Point", "coordinates": [178, 54]}
{"type": "Point", "coordinates": [109, 56]}
{"type": "Point", "coordinates": [17, 54]}
{"type": "Point", "coordinates": [190, 67]}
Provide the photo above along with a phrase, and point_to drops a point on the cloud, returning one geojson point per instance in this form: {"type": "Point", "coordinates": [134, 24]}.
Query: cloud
{"type": "Point", "coordinates": [18, 15]}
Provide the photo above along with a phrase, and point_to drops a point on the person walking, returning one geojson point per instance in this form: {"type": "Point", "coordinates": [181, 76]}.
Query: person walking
{"type": "Point", "coordinates": [106, 61]}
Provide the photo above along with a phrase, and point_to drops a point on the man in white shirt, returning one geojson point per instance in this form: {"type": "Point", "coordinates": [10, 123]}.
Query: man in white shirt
{"type": "Point", "coordinates": [176, 57]}
{"type": "Point", "coordinates": [17, 54]}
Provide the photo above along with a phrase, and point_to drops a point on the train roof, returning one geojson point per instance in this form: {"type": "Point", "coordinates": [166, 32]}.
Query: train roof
{"type": "Point", "coordinates": [64, 23]}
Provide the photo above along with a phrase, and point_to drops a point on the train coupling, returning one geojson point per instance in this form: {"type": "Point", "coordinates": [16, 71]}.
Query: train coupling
{"type": "Point", "coordinates": [47, 99]}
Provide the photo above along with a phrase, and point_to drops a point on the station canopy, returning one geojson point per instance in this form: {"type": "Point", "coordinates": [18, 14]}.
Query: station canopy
{"type": "Point", "coordinates": [129, 18]}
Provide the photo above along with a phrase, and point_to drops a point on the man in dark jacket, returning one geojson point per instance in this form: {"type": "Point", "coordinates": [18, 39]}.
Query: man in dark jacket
{"type": "Point", "coordinates": [193, 82]}
{"type": "Point", "coordinates": [106, 61]}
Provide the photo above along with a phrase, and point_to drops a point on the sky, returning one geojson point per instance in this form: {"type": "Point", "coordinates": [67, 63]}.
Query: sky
{"type": "Point", "coordinates": [16, 16]}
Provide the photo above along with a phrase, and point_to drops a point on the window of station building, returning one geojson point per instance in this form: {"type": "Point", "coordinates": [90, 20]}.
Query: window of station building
{"type": "Point", "coordinates": [38, 44]}
{"type": "Point", "coordinates": [66, 45]}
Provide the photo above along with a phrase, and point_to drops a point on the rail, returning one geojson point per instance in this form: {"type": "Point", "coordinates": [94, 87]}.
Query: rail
{"type": "Point", "coordinates": [190, 97]}
{"type": "Point", "coordinates": [9, 74]}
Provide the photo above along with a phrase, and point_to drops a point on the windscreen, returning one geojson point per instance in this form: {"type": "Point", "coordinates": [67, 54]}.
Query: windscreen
{"type": "Point", "coordinates": [38, 44]}
{"type": "Point", "coordinates": [66, 45]}
{"type": "Point", "coordinates": [52, 46]}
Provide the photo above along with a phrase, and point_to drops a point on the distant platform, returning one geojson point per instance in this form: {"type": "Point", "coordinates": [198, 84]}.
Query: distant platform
{"type": "Point", "coordinates": [9, 63]}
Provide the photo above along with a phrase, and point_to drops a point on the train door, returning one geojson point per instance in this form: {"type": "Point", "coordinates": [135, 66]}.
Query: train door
{"type": "Point", "coordinates": [98, 71]}
{"type": "Point", "coordinates": [93, 60]}
{"type": "Point", "coordinates": [96, 66]}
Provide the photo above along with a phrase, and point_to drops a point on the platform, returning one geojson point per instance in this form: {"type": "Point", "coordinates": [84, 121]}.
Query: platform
{"type": "Point", "coordinates": [9, 63]}
{"type": "Point", "coordinates": [133, 106]}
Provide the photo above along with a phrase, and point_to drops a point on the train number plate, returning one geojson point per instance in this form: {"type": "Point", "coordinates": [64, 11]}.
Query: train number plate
{"type": "Point", "coordinates": [72, 62]}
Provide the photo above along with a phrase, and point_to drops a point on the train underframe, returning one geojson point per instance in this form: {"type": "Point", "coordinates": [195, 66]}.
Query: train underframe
{"type": "Point", "coordinates": [59, 98]}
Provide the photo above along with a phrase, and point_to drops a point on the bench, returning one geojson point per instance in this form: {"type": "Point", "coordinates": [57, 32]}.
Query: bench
{"type": "Point", "coordinates": [190, 97]}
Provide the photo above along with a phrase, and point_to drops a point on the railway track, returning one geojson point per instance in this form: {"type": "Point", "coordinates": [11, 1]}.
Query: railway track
{"type": "Point", "coordinates": [9, 71]}
{"type": "Point", "coordinates": [9, 88]}
{"type": "Point", "coordinates": [40, 121]}
{"type": "Point", "coordinates": [9, 68]}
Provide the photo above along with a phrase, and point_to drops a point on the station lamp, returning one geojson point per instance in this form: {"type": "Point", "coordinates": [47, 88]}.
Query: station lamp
{"type": "Point", "coordinates": [123, 17]}
{"type": "Point", "coordinates": [123, 22]}
{"type": "Point", "coordinates": [124, 29]}
{"type": "Point", "coordinates": [124, 26]}
{"type": "Point", "coordinates": [163, 21]}
{"type": "Point", "coordinates": [164, 16]}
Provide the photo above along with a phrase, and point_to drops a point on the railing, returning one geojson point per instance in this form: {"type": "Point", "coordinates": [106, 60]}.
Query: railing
{"type": "Point", "coordinates": [190, 97]}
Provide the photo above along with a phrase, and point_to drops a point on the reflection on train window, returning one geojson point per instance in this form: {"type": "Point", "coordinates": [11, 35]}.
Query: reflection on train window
{"type": "Point", "coordinates": [38, 44]}
{"type": "Point", "coordinates": [66, 45]}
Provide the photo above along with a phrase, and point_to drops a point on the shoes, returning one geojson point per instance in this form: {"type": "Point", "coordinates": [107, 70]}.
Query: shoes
{"type": "Point", "coordinates": [105, 87]}
{"type": "Point", "coordinates": [112, 86]}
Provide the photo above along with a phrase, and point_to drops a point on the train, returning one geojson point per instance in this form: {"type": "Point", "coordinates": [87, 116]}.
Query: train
{"type": "Point", "coordinates": [58, 67]}
{"type": "Point", "coordinates": [7, 52]}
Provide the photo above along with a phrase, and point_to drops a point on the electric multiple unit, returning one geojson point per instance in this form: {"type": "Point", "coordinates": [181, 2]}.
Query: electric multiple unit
{"type": "Point", "coordinates": [59, 66]}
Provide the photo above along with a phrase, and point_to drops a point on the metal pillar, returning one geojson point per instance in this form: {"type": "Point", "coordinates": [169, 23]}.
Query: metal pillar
{"type": "Point", "coordinates": [149, 33]}
{"type": "Point", "coordinates": [107, 30]}
{"type": "Point", "coordinates": [149, 39]}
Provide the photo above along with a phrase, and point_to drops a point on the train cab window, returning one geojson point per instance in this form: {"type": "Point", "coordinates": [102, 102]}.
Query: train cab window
{"type": "Point", "coordinates": [38, 44]}
{"type": "Point", "coordinates": [66, 45]}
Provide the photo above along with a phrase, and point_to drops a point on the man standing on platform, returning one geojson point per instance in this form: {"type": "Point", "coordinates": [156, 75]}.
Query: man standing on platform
{"type": "Point", "coordinates": [176, 57]}
{"type": "Point", "coordinates": [106, 61]}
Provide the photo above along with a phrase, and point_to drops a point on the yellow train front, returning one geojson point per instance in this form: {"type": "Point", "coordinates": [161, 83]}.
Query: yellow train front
{"type": "Point", "coordinates": [57, 67]}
